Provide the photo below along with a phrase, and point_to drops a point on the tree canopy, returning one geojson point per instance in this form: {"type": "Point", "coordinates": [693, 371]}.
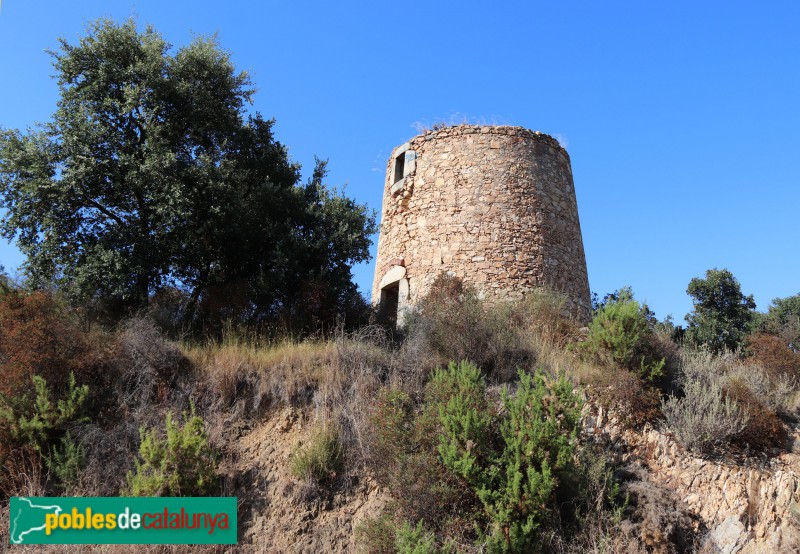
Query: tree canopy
{"type": "Point", "coordinates": [783, 320]}
{"type": "Point", "coordinates": [152, 174]}
{"type": "Point", "coordinates": [722, 315]}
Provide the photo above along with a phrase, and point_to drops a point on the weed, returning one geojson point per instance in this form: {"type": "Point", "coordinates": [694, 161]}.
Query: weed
{"type": "Point", "coordinates": [320, 459]}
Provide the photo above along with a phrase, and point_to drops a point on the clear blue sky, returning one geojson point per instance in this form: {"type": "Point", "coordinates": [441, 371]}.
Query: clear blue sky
{"type": "Point", "coordinates": [682, 118]}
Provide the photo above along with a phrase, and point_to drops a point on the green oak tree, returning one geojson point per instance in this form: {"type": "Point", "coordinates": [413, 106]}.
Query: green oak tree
{"type": "Point", "coordinates": [152, 174]}
{"type": "Point", "coordinates": [722, 315]}
{"type": "Point", "coordinates": [783, 320]}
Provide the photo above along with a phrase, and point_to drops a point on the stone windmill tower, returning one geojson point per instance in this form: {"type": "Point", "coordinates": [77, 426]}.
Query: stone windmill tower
{"type": "Point", "coordinates": [493, 205]}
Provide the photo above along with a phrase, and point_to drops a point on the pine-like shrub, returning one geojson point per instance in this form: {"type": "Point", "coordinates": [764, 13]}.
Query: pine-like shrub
{"type": "Point", "coordinates": [622, 334]}
{"type": "Point", "coordinates": [39, 423]}
{"type": "Point", "coordinates": [458, 393]}
{"type": "Point", "coordinates": [382, 535]}
{"type": "Point", "coordinates": [470, 468]}
{"type": "Point", "coordinates": [179, 463]}
{"type": "Point", "coordinates": [66, 460]}
{"type": "Point", "coordinates": [513, 465]}
{"type": "Point", "coordinates": [414, 540]}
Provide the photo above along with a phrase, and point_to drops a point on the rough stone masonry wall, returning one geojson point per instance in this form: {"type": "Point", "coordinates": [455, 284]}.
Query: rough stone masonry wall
{"type": "Point", "coordinates": [747, 510]}
{"type": "Point", "coordinates": [494, 205]}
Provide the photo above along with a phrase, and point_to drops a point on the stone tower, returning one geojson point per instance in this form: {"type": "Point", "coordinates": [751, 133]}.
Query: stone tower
{"type": "Point", "coordinates": [493, 205]}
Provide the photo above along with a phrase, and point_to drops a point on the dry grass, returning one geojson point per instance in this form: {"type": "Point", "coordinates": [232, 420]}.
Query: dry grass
{"type": "Point", "coordinates": [335, 377]}
{"type": "Point", "coordinates": [283, 371]}
{"type": "Point", "coordinates": [125, 549]}
{"type": "Point", "coordinates": [289, 372]}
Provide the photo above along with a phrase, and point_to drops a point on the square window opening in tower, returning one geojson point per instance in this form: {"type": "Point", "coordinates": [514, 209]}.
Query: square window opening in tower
{"type": "Point", "coordinates": [399, 167]}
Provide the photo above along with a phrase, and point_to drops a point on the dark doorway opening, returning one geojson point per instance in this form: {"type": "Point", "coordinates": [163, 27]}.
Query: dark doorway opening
{"type": "Point", "coordinates": [387, 310]}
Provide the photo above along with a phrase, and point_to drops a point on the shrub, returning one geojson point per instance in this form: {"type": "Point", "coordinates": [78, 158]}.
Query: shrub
{"type": "Point", "coordinates": [458, 393]}
{"type": "Point", "coordinates": [39, 423]}
{"type": "Point", "coordinates": [415, 540]}
{"type": "Point", "coordinates": [321, 458]}
{"type": "Point", "coordinates": [181, 463]}
{"type": "Point", "coordinates": [376, 535]}
{"type": "Point", "coordinates": [704, 417]}
{"type": "Point", "coordinates": [460, 462]}
{"type": "Point", "coordinates": [38, 336]}
{"type": "Point", "coordinates": [622, 334]}
{"type": "Point", "coordinates": [778, 393]}
{"type": "Point", "coordinates": [391, 423]}
{"type": "Point", "coordinates": [539, 435]}
{"type": "Point", "coordinates": [590, 499]}
{"type": "Point", "coordinates": [545, 314]}
{"type": "Point", "coordinates": [404, 459]}
{"type": "Point", "coordinates": [381, 535]}
{"type": "Point", "coordinates": [658, 520]}
{"type": "Point", "coordinates": [764, 430]}
{"type": "Point", "coordinates": [512, 466]}
{"type": "Point", "coordinates": [773, 354]}
{"type": "Point", "coordinates": [144, 363]}
{"type": "Point", "coordinates": [453, 323]}
{"type": "Point", "coordinates": [632, 399]}
{"type": "Point", "coordinates": [67, 460]}
{"type": "Point", "coordinates": [21, 472]}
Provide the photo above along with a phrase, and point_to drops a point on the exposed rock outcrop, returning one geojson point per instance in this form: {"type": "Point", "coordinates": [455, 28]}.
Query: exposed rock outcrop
{"type": "Point", "coordinates": [749, 507]}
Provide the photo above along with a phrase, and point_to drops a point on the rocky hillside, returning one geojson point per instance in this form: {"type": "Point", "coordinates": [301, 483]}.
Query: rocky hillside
{"type": "Point", "coordinates": [545, 437]}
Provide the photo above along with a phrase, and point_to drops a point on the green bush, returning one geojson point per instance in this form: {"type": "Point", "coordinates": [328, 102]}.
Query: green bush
{"type": "Point", "coordinates": [382, 535]}
{"type": "Point", "coordinates": [181, 463]}
{"type": "Point", "coordinates": [539, 433]}
{"type": "Point", "coordinates": [414, 540]}
{"type": "Point", "coordinates": [66, 460]}
{"type": "Point", "coordinates": [458, 393]}
{"type": "Point", "coordinates": [783, 320]}
{"type": "Point", "coordinates": [40, 423]}
{"type": "Point", "coordinates": [492, 471]}
{"type": "Point", "coordinates": [321, 459]}
{"type": "Point", "coordinates": [511, 464]}
{"type": "Point", "coordinates": [622, 333]}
